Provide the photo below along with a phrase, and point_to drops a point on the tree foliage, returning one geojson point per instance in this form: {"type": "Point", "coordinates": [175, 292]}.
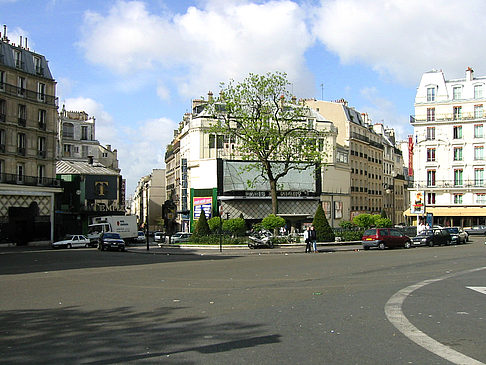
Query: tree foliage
{"type": "Point", "coordinates": [213, 224]}
{"type": "Point", "coordinates": [268, 125]}
{"type": "Point", "coordinates": [324, 231]}
{"type": "Point", "coordinates": [272, 222]}
{"type": "Point", "coordinates": [235, 226]}
{"type": "Point", "coordinates": [368, 220]}
{"type": "Point", "coordinates": [202, 227]}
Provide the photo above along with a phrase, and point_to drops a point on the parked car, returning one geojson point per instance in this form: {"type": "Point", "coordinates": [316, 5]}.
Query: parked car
{"type": "Point", "coordinates": [179, 237]}
{"type": "Point", "coordinates": [410, 231]}
{"type": "Point", "coordinates": [458, 235]}
{"type": "Point", "coordinates": [111, 240]}
{"type": "Point", "coordinates": [432, 237]}
{"type": "Point", "coordinates": [478, 230]}
{"type": "Point", "coordinates": [159, 237]}
{"type": "Point", "coordinates": [141, 236]}
{"type": "Point", "coordinates": [384, 237]}
{"type": "Point", "coordinates": [72, 240]}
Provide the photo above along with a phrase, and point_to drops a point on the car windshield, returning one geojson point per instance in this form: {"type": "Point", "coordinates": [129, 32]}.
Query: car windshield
{"type": "Point", "coordinates": [453, 230]}
{"type": "Point", "coordinates": [140, 233]}
{"type": "Point", "coordinates": [112, 235]}
{"type": "Point", "coordinates": [428, 232]}
{"type": "Point", "coordinates": [369, 232]}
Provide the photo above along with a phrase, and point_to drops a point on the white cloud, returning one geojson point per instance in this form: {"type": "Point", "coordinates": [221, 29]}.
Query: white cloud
{"type": "Point", "coordinates": [204, 46]}
{"type": "Point", "coordinates": [404, 38]}
{"type": "Point", "coordinates": [140, 148]}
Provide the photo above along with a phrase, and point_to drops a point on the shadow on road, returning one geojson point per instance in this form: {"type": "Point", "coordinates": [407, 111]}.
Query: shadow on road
{"type": "Point", "coordinates": [72, 335]}
{"type": "Point", "coordinates": [21, 260]}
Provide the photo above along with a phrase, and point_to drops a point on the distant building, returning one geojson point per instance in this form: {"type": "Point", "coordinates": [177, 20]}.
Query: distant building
{"type": "Point", "coordinates": [448, 149]}
{"type": "Point", "coordinates": [28, 114]}
{"type": "Point", "coordinates": [148, 199]}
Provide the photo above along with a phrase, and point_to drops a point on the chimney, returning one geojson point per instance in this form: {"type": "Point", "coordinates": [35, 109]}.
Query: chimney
{"type": "Point", "coordinates": [5, 33]}
{"type": "Point", "coordinates": [20, 41]}
{"type": "Point", "coordinates": [469, 74]}
{"type": "Point", "coordinates": [108, 147]}
{"type": "Point", "coordinates": [210, 97]}
{"type": "Point", "coordinates": [26, 47]}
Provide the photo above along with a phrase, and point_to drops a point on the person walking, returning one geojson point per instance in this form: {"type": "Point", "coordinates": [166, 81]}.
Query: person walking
{"type": "Point", "coordinates": [313, 239]}
{"type": "Point", "coordinates": [307, 240]}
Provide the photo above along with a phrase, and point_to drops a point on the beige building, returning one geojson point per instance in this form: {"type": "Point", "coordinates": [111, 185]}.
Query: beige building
{"type": "Point", "coordinates": [148, 198]}
{"type": "Point", "coordinates": [375, 181]}
{"type": "Point", "coordinates": [28, 113]}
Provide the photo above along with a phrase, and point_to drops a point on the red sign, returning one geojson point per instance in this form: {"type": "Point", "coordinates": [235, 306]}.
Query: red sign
{"type": "Point", "coordinates": [410, 155]}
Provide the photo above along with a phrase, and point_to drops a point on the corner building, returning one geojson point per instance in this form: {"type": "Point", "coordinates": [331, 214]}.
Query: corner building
{"type": "Point", "coordinates": [28, 114]}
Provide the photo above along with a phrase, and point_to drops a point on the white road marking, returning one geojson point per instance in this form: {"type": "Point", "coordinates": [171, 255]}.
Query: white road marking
{"type": "Point", "coordinates": [393, 311]}
{"type": "Point", "coordinates": [480, 289]}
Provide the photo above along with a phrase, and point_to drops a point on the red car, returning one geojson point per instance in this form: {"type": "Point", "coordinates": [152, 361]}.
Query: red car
{"type": "Point", "coordinates": [384, 237]}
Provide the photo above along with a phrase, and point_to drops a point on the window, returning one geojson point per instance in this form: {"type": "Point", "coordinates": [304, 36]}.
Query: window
{"type": "Point", "coordinates": [431, 94]}
{"type": "Point", "coordinates": [41, 173]}
{"type": "Point", "coordinates": [478, 111]}
{"type": "Point", "coordinates": [457, 198]}
{"type": "Point", "coordinates": [22, 115]}
{"type": "Point", "coordinates": [2, 80]}
{"type": "Point", "coordinates": [457, 153]}
{"type": "Point", "coordinates": [2, 140]}
{"type": "Point", "coordinates": [430, 133]}
{"type": "Point", "coordinates": [42, 119]}
{"type": "Point", "coordinates": [430, 114]}
{"type": "Point", "coordinates": [21, 143]}
{"type": "Point", "coordinates": [430, 154]}
{"type": "Point", "coordinates": [458, 177]}
{"type": "Point", "coordinates": [478, 177]}
{"type": "Point", "coordinates": [457, 132]}
{"type": "Point", "coordinates": [478, 91]}
{"type": "Point", "coordinates": [479, 153]}
{"type": "Point", "coordinates": [430, 177]}
{"type": "Point", "coordinates": [68, 130]}
{"type": "Point", "coordinates": [457, 92]}
{"type": "Point", "coordinates": [3, 110]}
{"type": "Point", "coordinates": [478, 131]}
{"type": "Point", "coordinates": [84, 151]}
{"type": "Point", "coordinates": [20, 172]}
{"type": "Point", "coordinates": [212, 141]}
{"type": "Point", "coordinates": [37, 65]}
{"type": "Point", "coordinates": [41, 91]}
{"type": "Point", "coordinates": [480, 198]}
{"type": "Point", "coordinates": [41, 146]}
{"type": "Point", "coordinates": [21, 86]}
{"type": "Point", "coordinates": [457, 112]}
{"type": "Point", "coordinates": [67, 150]}
{"type": "Point", "coordinates": [430, 198]}
{"type": "Point", "coordinates": [84, 132]}
{"type": "Point", "coordinates": [18, 59]}
{"type": "Point", "coordinates": [2, 169]}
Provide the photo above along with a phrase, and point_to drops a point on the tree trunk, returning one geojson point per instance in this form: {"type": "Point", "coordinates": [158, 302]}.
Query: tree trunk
{"type": "Point", "coordinates": [273, 193]}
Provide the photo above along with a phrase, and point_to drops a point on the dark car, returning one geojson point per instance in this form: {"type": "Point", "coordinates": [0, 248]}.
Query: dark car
{"type": "Point", "coordinates": [478, 230]}
{"type": "Point", "coordinates": [384, 237]}
{"type": "Point", "coordinates": [433, 237]}
{"type": "Point", "coordinates": [410, 231]}
{"type": "Point", "coordinates": [458, 236]}
{"type": "Point", "coordinates": [110, 240]}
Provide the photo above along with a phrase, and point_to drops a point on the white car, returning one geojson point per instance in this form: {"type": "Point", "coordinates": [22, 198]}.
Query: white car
{"type": "Point", "coordinates": [141, 236]}
{"type": "Point", "coordinates": [179, 237]}
{"type": "Point", "coordinates": [75, 240]}
{"type": "Point", "coordinates": [159, 236]}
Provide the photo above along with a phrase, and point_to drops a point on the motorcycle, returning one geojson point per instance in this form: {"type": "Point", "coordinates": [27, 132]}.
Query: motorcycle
{"type": "Point", "coordinates": [262, 239]}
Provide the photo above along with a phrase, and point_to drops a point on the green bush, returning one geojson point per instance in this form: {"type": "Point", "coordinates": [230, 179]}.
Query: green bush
{"type": "Point", "coordinates": [213, 224]}
{"type": "Point", "coordinates": [235, 226]}
{"type": "Point", "coordinates": [383, 222]}
{"type": "Point", "coordinates": [351, 235]}
{"type": "Point", "coordinates": [364, 220]}
{"type": "Point", "coordinates": [202, 227]}
{"type": "Point", "coordinates": [346, 224]}
{"type": "Point", "coordinates": [214, 239]}
{"type": "Point", "coordinates": [272, 222]}
{"type": "Point", "coordinates": [324, 231]}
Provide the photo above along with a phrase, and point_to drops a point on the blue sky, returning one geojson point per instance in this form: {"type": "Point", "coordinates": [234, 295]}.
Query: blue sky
{"type": "Point", "coordinates": [136, 65]}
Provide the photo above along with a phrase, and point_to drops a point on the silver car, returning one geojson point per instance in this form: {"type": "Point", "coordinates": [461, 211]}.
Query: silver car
{"type": "Point", "coordinates": [72, 240]}
{"type": "Point", "coordinates": [179, 237]}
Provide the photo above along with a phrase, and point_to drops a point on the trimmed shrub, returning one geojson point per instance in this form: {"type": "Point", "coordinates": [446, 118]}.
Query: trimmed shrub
{"type": "Point", "coordinates": [213, 224]}
{"type": "Point", "coordinates": [324, 231]}
{"type": "Point", "coordinates": [235, 226]}
{"type": "Point", "coordinates": [202, 227]}
{"type": "Point", "coordinates": [273, 222]}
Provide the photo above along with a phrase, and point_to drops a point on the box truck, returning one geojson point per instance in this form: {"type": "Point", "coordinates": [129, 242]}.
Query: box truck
{"type": "Point", "coordinates": [125, 225]}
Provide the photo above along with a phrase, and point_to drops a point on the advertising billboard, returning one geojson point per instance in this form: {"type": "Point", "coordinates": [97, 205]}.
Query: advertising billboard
{"type": "Point", "coordinates": [101, 187]}
{"type": "Point", "coordinates": [417, 205]}
{"type": "Point", "coordinates": [200, 204]}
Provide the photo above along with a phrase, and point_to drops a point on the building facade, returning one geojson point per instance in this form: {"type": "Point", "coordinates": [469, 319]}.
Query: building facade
{"type": "Point", "coordinates": [28, 114]}
{"type": "Point", "coordinates": [448, 149]}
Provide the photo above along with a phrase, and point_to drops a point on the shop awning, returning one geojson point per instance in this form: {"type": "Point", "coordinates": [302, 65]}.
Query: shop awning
{"type": "Point", "coordinates": [452, 212]}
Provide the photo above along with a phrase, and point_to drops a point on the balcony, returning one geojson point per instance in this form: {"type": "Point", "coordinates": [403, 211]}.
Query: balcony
{"type": "Point", "coordinates": [42, 154]}
{"type": "Point", "coordinates": [42, 125]}
{"type": "Point", "coordinates": [449, 185]}
{"type": "Point", "coordinates": [22, 122]}
{"type": "Point", "coordinates": [29, 95]}
{"type": "Point", "coordinates": [3, 117]}
{"type": "Point", "coordinates": [29, 180]}
{"type": "Point", "coordinates": [21, 151]}
{"type": "Point", "coordinates": [447, 117]}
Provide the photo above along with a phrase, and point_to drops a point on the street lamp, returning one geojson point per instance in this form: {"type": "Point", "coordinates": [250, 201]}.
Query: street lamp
{"type": "Point", "coordinates": [147, 215]}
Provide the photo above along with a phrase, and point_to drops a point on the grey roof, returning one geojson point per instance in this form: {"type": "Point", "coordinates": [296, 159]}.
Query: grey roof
{"type": "Point", "coordinates": [7, 59]}
{"type": "Point", "coordinates": [64, 167]}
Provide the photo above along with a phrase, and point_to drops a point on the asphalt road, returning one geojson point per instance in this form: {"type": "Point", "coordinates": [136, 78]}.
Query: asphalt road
{"type": "Point", "coordinates": [268, 307]}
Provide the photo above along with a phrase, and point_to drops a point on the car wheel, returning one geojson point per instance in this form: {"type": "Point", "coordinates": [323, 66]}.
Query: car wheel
{"type": "Point", "coordinates": [69, 245]}
{"type": "Point", "coordinates": [122, 249]}
{"type": "Point", "coordinates": [381, 246]}
{"type": "Point", "coordinates": [366, 248]}
{"type": "Point", "coordinates": [431, 243]}
{"type": "Point", "coordinates": [407, 244]}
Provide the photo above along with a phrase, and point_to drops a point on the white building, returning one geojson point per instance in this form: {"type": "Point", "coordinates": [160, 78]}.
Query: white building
{"type": "Point", "coordinates": [449, 140]}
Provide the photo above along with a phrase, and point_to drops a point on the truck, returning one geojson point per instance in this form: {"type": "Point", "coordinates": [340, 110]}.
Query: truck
{"type": "Point", "coordinates": [125, 225]}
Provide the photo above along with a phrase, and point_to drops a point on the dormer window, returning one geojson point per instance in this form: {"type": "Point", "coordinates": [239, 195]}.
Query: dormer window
{"type": "Point", "coordinates": [457, 92]}
{"type": "Point", "coordinates": [18, 59]}
{"type": "Point", "coordinates": [37, 65]}
{"type": "Point", "coordinates": [431, 93]}
{"type": "Point", "coordinates": [478, 91]}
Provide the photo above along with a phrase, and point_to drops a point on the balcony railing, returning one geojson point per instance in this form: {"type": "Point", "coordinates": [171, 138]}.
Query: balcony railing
{"type": "Point", "coordinates": [21, 151]}
{"type": "Point", "coordinates": [446, 117]}
{"type": "Point", "coordinates": [29, 180]}
{"type": "Point", "coordinates": [29, 94]}
{"type": "Point", "coordinates": [22, 122]}
{"type": "Point", "coordinates": [42, 154]}
{"type": "Point", "coordinates": [449, 184]}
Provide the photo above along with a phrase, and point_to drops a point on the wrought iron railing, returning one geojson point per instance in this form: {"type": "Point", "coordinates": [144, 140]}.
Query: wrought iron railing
{"type": "Point", "coordinates": [29, 94]}
{"type": "Point", "coordinates": [29, 180]}
{"type": "Point", "coordinates": [449, 184]}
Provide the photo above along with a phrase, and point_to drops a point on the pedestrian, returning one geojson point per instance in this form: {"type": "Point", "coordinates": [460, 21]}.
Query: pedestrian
{"type": "Point", "coordinates": [307, 240]}
{"type": "Point", "coordinates": [313, 238]}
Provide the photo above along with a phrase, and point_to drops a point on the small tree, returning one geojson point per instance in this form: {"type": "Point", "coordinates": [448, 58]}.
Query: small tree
{"type": "Point", "coordinates": [202, 227]}
{"type": "Point", "coordinates": [273, 222]}
{"type": "Point", "coordinates": [364, 220]}
{"type": "Point", "coordinates": [213, 224]}
{"type": "Point", "coordinates": [383, 214]}
{"type": "Point", "coordinates": [236, 226]}
{"type": "Point", "coordinates": [383, 222]}
{"type": "Point", "coordinates": [324, 231]}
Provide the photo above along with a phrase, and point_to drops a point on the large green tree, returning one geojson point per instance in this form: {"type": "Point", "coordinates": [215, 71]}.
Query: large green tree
{"type": "Point", "coordinates": [271, 129]}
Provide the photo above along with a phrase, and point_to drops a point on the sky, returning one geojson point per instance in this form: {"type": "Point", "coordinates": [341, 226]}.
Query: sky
{"type": "Point", "coordinates": [136, 65]}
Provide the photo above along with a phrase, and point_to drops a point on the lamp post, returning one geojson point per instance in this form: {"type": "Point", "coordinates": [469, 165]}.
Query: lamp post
{"type": "Point", "coordinates": [147, 215]}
